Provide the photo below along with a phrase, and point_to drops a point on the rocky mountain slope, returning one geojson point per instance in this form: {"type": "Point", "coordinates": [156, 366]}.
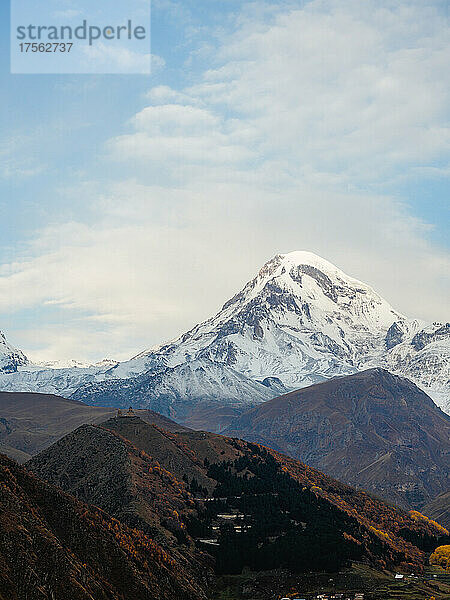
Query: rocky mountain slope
{"type": "Point", "coordinates": [101, 467]}
{"type": "Point", "coordinates": [373, 430]}
{"type": "Point", "coordinates": [283, 505]}
{"type": "Point", "coordinates": [300, 321]}
{"type": "Point", "coordinates": [53, 546]}
{"type": "Point", "coordinates": [439, 509]}
{"type": "Point", "coordinates": [30, 423]}
{"type": "Point", "coordinates": [421, 353]}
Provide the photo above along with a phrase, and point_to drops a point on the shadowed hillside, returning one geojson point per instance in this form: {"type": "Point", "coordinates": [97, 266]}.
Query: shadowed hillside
{"type": "Point", "coordinates": [31, 422]}
{"type": "Point", "coordinates": [372, 430]}
{"type": "Point", "coordinates": [53, 547]}
{"type": "Point", "coordinates": [103, 468]}
{"type": "Point", "coordinates": [439, 509]}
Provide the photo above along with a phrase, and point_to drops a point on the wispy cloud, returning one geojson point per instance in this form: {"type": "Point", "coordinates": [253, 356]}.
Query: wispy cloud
{"type": "Point", "coordinates": [117, 58]}
{"type": "Point", "coordinates": [18, 160]}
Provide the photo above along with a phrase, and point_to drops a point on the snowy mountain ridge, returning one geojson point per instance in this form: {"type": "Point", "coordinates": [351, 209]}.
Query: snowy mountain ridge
{"type": "Point", "coordinates": [10, 357]}
{"type": "Point", "coordinates": [301, 320]}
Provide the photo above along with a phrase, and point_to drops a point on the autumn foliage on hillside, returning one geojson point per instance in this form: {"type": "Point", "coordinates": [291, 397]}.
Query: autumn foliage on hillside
{"type": "Point", "coordinates": [407, 533]}
{"type": "Point", "coordinates": [441, 557]}
{"type": "Point", "coordinates": [299, 519]}
{"type": "Point", "coordinates": [390, 536]}
{"type": "Point", "coordinates": [62, 548]}
{"type": "Point", "coordinates": [295, 523]}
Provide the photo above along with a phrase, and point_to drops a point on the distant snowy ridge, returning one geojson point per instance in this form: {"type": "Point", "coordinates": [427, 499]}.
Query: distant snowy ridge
{"type": "Point", "coordinates": [299, 321]}
{"type": "Point", "coordinates": [422, 354]}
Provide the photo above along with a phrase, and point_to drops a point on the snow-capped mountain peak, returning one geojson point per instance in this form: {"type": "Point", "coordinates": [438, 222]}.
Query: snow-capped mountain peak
{"type": "Point", "coordinates": [75, 364]}
{"type": "Point", "coordinates": [310, 278]}
{"type": "Point", "coordinates": [10, 357]}
{"type": "Point", "coordinates": [300, 314]}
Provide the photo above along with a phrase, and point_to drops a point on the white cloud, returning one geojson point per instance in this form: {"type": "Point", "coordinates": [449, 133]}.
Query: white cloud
{"type": "Point", "coordinates": [333, 91]}
{"type": "Point", "coordinates": [161, 94]}
{"type": "Point", "coordinates": [284, 144]}
{"type": "Point", "coordinates": [18, 157]}
{"type": "Point", "coordinates": [183, 134]}
{"type": "Point", "coordinates": [341, 88]}
{"type": "Point", "coordinates": [172, 119]}
{"type": "Point", "coordinates": [118, 58]}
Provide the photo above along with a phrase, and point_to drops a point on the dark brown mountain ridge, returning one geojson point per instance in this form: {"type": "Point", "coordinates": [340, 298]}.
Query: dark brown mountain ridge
{"type": "Point", "coordinates": [31, 422]}
{"type": "Point", "coordinates": [54, 547]}
{"type": "Point", "coordinates": [373, 430]}
{"type": "Point", "coordinates": [102, 468]}
{"type": "Point", "coordinates": [100, 465]}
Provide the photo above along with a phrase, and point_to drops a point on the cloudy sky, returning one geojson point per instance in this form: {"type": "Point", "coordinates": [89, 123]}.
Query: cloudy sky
{"type": "Point", "coordinates": [133, 206]}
